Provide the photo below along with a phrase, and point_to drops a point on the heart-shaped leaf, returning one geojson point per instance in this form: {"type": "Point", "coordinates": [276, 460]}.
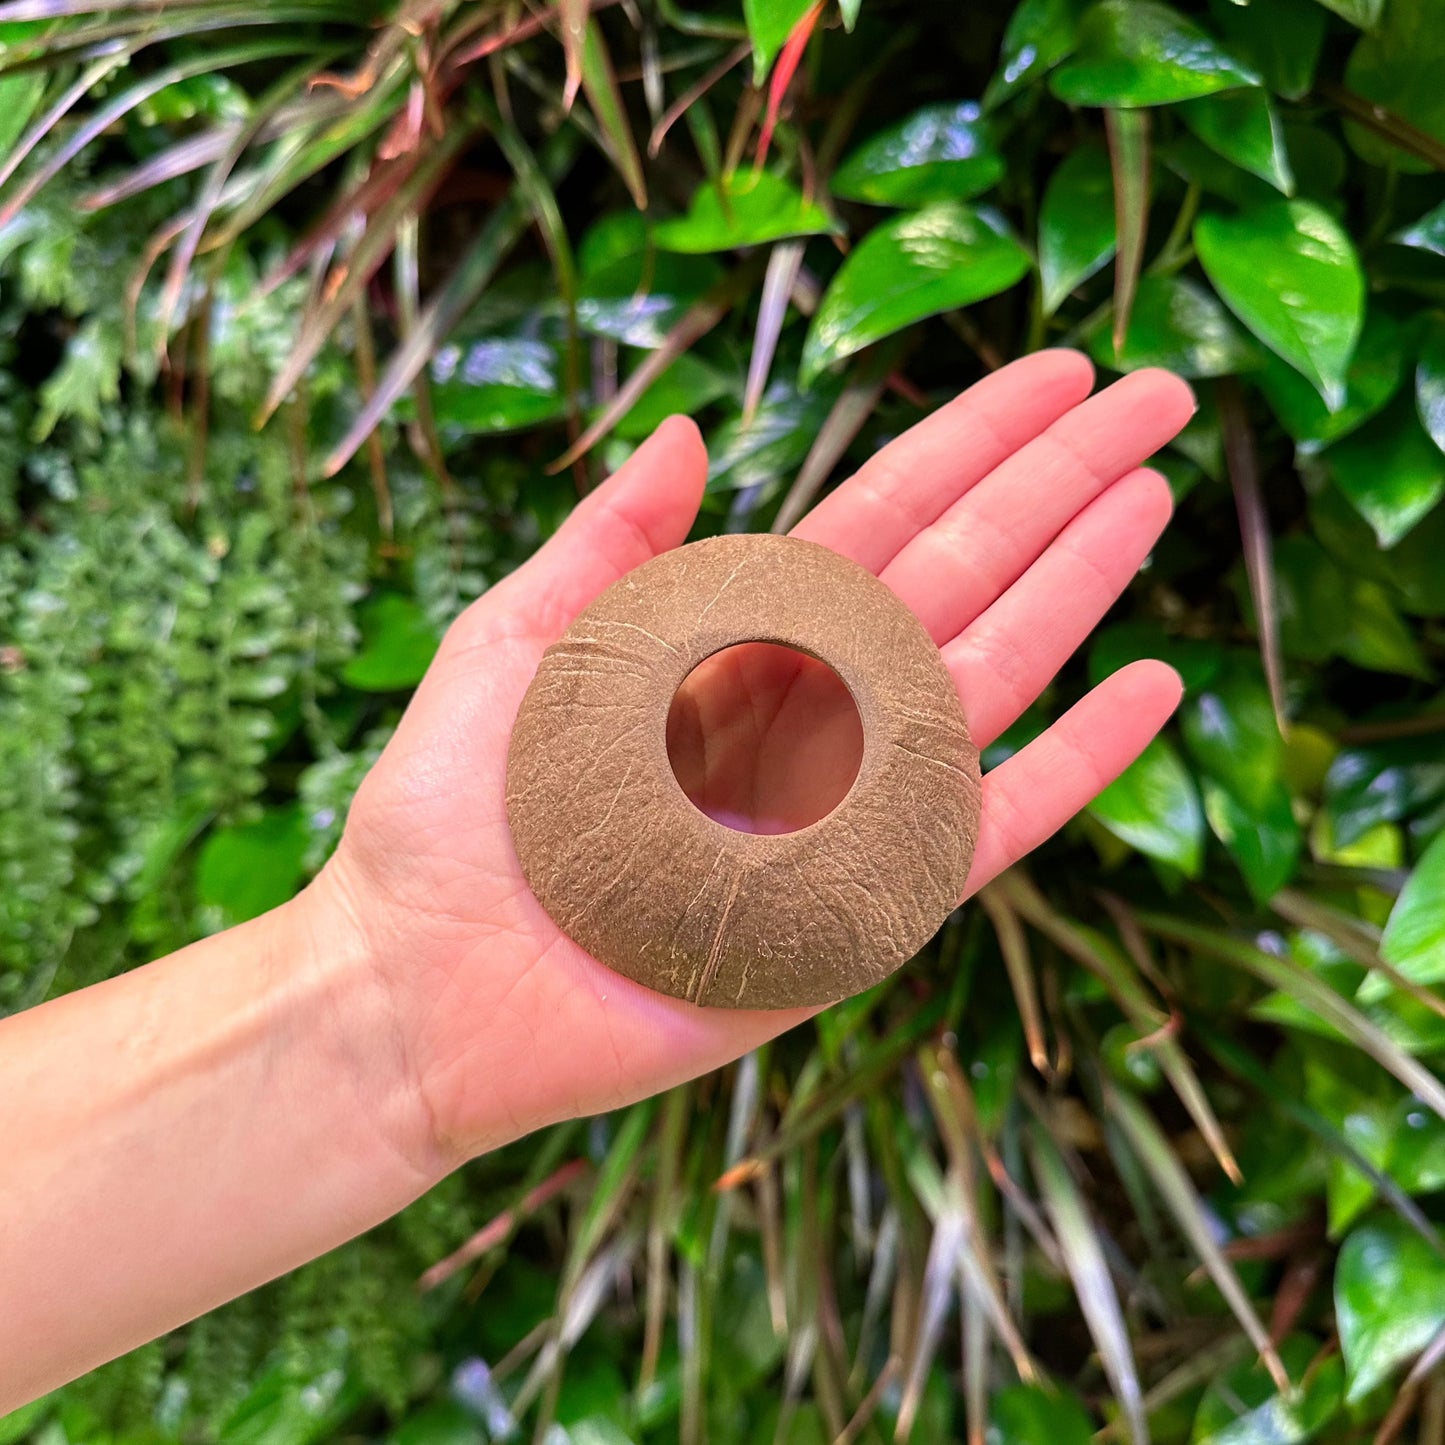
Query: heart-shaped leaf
{"type": "Point", "coordinates": [1430, 383]}
{"type": "Point", "coordinates": [1390, 470]}
{"type": "Point", "coordinates": [1389, 1300]}
{"type": "Point", "coordinates": [1141, 52]}
{"type": "Point", "coordinates": [1289, 271]}
{"type": "Point", "coordinates": [910, 267]}
{"type": "Point", "coordinates": [1243, 127]}
{"type": "Point", "coordinates": [747, 208]}
{"type": "Point", "coordinates": [1040, 33]}
{"type": "Point", "coordinates": [1179, 324]}
{"type": "Point", "coordinates": [1154, 807]}
{"type": "Point", "coordinates": [939, 153]}
{"type": "Point", "coordinates": [1281, 40]}
{"type": "Point", "coordinates": [1414, 939]}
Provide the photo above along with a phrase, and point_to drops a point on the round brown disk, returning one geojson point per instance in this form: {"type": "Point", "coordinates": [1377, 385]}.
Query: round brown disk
{"type": "Point", "coordinates": [644, 881]}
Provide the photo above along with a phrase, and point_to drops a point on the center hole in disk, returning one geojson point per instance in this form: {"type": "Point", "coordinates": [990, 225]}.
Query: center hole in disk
{"type": "Point", "coordinates": [763, 738]}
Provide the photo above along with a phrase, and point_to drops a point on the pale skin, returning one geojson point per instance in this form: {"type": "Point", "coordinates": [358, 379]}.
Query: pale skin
{"type": "Point", "coordinates": [203, 1124]}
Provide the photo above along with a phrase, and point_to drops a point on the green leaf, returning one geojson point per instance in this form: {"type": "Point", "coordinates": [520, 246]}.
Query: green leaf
{"type": "Point", "coordinates": [1430, 382]}
{"type": "Point", "coordinates": [1389, 1301]}
{"type": "Point", "coordinates": [1376, 371]}
{"type": "Point", "coordinates": [906, 269]}
{"type": "Point", "coordinates": [1197, 660]}
{"type": "Point", "coordinates": [1281, 39]}
{"type": "Point", "coordinates": [1262, 836]}
{"type": "Point", "coordinates": [747, 208]}
{"type": "Point", "coordinates": [1244, 1406]}
{"type": "Point", "coordinates": [770, 22]}
{"type": "Point", "coordinates": [1390, 470]}
{"type": "Point", "coordinates": [1230, 730]}
{"type": "Point", "coordinates": [1397, 66]}
{"type": "Point", "coordinates": [1414, 938]}
{"type": "Point", "coordinates": [1077, 228]}
{"type": "Point", "coordinates": [1410, 573]}
{"type": "Point", "coordinates": [251, 868]}
{"type": "Point", "coordinates": [398, 643]}
{"type": "Point", "coordinates": [1289, 271]}
{"type": "Point", "coordinates": [1243, 127]}
{"type": "Point", "coordinates": [766, 448]}
{"type": "Point", "coordinates": [687, 386]}
{"type": "Point", "coordinates": [1179, 324]}
{"type": "Point", "coordinates": [1363, 13]}
{"type": "Point", "coordinates": [1326, 611]}
{"type": "Point", "coordinates": [1028, 1415]}
{"type": "Point", "coordinates": [1387, 782]}
{"type": "Point", "coordinates": [1140, 52]}
{"type": "Point", "coordinates": [1154, 807]}
{"type": "Point", "coordinates": [939, 153]}
{"type": "Point", "coordinates": [495, 384]}
{"type": "Point", "coordinates": [1040, 33]}
{"type": "Point", "coordinates": [1426, 234]}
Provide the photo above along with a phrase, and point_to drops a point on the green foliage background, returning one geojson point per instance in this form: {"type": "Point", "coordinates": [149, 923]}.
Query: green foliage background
{"type": "Point", "coordinates": [1151, 1140]}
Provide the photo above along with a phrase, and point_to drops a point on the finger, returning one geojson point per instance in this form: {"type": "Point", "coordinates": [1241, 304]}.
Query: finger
{"type": "Point", "coordinates": [954, 569]}
{"type": "Point", "coordinates": [647, 506]}
{"type": "Point", "coordinates": [1031, 796]}
{"type": "Point", "coordinates": [1006, 657]}
{"type": "Point", "coordinates": [917, 477]}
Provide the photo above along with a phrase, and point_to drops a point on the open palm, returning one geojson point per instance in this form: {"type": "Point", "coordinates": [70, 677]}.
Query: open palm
{"type": "Point", "coordinates": [1009, 521]}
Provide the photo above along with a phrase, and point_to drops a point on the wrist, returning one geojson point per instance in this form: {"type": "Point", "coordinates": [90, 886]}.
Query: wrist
{"type": "Point", "coordinates": [356, 1026]}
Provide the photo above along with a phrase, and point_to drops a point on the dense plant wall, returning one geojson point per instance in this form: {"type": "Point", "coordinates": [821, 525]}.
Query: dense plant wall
{"type": "Point", "coordinates": [1151, 1140]}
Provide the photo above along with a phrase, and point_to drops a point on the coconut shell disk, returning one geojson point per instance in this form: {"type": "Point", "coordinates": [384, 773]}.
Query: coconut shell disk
{"type": "Point", "coordinates": [629, 869]}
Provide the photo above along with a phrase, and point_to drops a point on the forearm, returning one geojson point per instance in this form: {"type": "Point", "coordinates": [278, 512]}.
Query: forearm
{"type": "Point", "coordinates": [178, 1135]}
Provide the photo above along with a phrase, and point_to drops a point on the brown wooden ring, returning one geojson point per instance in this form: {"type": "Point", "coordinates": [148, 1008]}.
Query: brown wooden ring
{"type": "Point", "coordinates": [644, 881]}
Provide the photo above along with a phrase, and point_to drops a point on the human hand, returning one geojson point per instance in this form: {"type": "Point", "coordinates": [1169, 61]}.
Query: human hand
{"type": "Point", "coordinates": [1009, 521]}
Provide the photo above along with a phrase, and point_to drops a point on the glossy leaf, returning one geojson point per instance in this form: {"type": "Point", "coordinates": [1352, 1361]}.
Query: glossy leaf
{"type": "Point", "coordinates": [1179, 324]}
{"type": "Point", "coordinates": [1390, 470]}
{"type": "Point", "coordinates": [1040, 33]}
{"type": "Point", "coordinates": [1430, 382]}
{"type": "Point", "coordinates": [1376, 372]}
{"type": "Point", "coordinates": [630, 290]}
{"type": "Point", "coordinates": [1281, 39]}
{"type": "Point", "coordinates": [909, 268]}
{"type": "Point", "coordinates": [1397, 65]}
{"type": "Point", "coordinates": [1363, 13]}
{"type": "Point", "coordinates": [763, 450]}
{"type": "Point", "coordinates": [687, 386]}
{"type": "Point", "coordinates": [1243, 127]}
{"type": "Point", "coordinates": [1414, 939]}
{"type": "Point", "coordinates": [770, 22]}
{"type": "Point", "coordinates": [1155, 808]}
{"type": "Point", "coordinates": [1196, 659]}
{"type": "Point", "coordinates": [1389, 1301]}
{"type": "Point", "coordinates": [1244, 1406]}
{"type": "Point", "coordinates": [1426, 234]}
{"type": "Point", "coordinates": [1077, 231]}
{"type": "Point", "coordinates": [1289, 272]}
{"type": "Point", "coordinates": [1230, 730]}
{"type": "Point", "coordinates": [495, 384]}
{"type": "Point", "coordinates": [1386, 782]}
{"type": "Point", "coordinates": [1142, 52]}
{"type": "Point", "coordinates": [748, 208]}
{"type": "Point", "coordinates": [1262, 835]}
{"type": "Point", "coordinates": [939, 153]}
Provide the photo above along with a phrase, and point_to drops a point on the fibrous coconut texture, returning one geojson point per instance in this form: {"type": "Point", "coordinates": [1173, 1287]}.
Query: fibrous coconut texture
{"type": "Point", "coordinates": [626, 865]}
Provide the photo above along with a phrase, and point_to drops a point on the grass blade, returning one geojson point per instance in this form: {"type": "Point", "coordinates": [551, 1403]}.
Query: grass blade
{"type": "Point", "coordinates": [1015, 949]}
{"type": "Point", "coordinates": [1242, 463]}
{"type": "Point", "coordinates": [854, 406]}
{"type": "Point", "coordinates": [1128, 133]}
{"type": "Point", "coordinates": [1163, 1167]}
{"type": "Point", "coordinates": [599, 81]}
{"type": "Point", "coordinates": [445, 309]}
{"type": "Point", "coordinates": [784, 264]}
{"type": "Point", "coordinates": [1084, 1259]}
{"type": "Point", "coordinates": [1297, 981]}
